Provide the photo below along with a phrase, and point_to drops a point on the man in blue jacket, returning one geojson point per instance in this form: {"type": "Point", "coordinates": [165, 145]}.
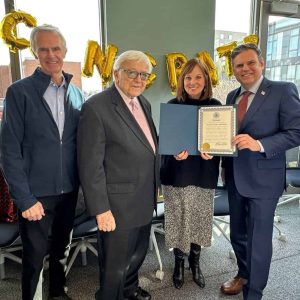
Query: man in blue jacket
{"type": "Point", "coordinates": [38, 155]}
{"type": "Point", "coordinates": [269, 124]}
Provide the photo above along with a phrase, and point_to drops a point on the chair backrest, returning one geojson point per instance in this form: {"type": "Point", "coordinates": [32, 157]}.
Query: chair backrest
{"type": "Point", "coordinates": [293, 157]}
{"type": "Point", "coordinates": [221, 205]}
{"type": "Point", "coordinates": [9, 233]}
{"type": "Point", "coordinates": [293, 177]}
{"type": "Point", "coordinates": [81, 217]}
{"type": "Point", "coordinates": [293, 167]}
{"type": "Point", "coordinates": [84, 225]}
{"type": "Point", "coordinates": [159, 215]}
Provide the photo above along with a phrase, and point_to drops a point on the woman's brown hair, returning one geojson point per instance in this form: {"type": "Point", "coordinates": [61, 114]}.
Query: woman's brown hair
{"type": "Point", "coordinates": [188, 68]}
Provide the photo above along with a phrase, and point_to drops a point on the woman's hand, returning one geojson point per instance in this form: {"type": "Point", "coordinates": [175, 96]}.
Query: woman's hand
{"type": "Point", "coordinates": [206, 156]}
{"type": "Point", "coordinates": [182, 155]}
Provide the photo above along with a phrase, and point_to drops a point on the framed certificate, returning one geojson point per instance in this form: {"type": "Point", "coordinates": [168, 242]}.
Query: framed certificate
{"type": "Point", "coordinates": [217, 125]}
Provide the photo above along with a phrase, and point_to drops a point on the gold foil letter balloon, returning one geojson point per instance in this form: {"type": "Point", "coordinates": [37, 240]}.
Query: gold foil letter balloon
{"type": "Point", "coordinates": [175, 63]}
{"type": "Point", "coordinates": [103, 62]}
{"type": "Point", "coordinates": [8, 29]}
{"type": "Point", "coordinates": [252, 38]}
{"type": "Point", "coordinates": [152, 75]}
{"type": "Point", "coordinates": [213, 73]}
{"type": "Point", "coordinates": [225, 51]}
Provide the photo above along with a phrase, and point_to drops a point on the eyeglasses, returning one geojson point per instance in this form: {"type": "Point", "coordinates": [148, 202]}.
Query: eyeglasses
{"type": "Point", "coordinates": [134, 74]}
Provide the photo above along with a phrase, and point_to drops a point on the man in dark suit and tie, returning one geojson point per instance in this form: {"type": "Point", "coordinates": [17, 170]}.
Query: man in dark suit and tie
{"type": "Point", "coordinates": [255, 178]}
{"type": "Point", "coordinates": [118, 170]}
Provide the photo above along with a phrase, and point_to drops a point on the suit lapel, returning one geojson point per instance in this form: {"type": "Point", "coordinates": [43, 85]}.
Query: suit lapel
{"type": "Point", "coordinates": [232, 100]}
{"type": "Point", "coordinates": [124, 113]}
{"type": "Point", "coordinates": [257, 101]}
{"type": "Point", "coordinates": [147, 113]}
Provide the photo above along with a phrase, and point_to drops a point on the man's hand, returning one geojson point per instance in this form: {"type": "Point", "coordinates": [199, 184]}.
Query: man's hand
{"type": "Point", "coordinates": [245, 141]}
{"type": "Point", "coordinates": [106, 221]}
{"type": "Point", "coordinates": [182, 155]}
{"type": "Point", "coordinates": [34, 213]}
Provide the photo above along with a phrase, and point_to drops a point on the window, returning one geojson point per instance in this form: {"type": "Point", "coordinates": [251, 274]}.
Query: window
{"type": "Point", "coordinates": [283, 54]}
{"type": "Point", "coordinates": [74, 18]}
{"type": "Point", "coordinates": [279, 45]}
{"type": "Point", "coordinates": [291, 73]}
{"type": "Point", "coordinates": [5, 73]}
{"type": "Point", "coordinates": [269, 48]}
{"type": "Point", "coordinates": [295, 32]}
{"type": "Point", "coordinates": [227, 31]}
{"type": "Point", "coordinates": [268, 72]}
{"type": "Point", "coordinates": [274, 48]}
{"type": "Point", "coordinates": [277, 73]}
{"type": "Point", "coordinates": [298, 72]}
{"type": "Point", "coordinates": [284, 70]}
{"type": "Point", "coordinates": [293, 46]}
{"type": "Point", "coordinates": [285, 46]}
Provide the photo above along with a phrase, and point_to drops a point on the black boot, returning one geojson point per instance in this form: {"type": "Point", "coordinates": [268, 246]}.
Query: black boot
{"type": "Point", "coordinates": [194, 265]}
{"type": "Point", "coordinates": [178, 275]}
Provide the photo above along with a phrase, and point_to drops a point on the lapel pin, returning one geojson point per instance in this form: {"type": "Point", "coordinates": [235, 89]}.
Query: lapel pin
{"type": "Point", "coordinates": [263, 93]}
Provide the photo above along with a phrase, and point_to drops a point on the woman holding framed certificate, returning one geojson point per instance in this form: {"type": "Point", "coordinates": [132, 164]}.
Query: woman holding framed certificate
{"type": "Point", "coordinates": [188, 183]}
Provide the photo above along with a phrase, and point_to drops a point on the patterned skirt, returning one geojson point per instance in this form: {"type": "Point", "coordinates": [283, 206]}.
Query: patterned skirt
{"type": "Point", "coordinates": [188, 216]}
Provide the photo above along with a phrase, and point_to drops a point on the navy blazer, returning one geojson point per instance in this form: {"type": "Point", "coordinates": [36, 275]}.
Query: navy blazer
{"type": "Point", "coordinates": [117, 167]}
{"type": "Point", "coordinates": [273, 118]}
{"type": "Point", "coordinates": [35, 160]}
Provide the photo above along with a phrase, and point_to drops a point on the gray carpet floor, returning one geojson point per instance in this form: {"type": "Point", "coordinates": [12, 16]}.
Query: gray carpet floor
{"type": "Point", "coordinates": [283, 284]}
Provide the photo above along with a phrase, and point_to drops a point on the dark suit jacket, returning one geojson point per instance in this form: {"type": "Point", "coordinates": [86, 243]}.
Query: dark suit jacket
{"type": "Point", "coordinates": [273, 118]}
{"type": "Point", "coordinates": [117, 166]}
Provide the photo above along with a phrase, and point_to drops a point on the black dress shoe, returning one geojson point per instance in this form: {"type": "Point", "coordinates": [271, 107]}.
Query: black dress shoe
{"type": "Point", "coordinates": [62, 296]}
{"type": "Point", "coordinates": [140, 294]}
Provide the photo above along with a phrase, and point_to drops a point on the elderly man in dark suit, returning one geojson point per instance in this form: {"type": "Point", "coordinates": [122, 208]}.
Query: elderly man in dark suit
{"type": "Point", "coordinates": [269, 124]}
{"type": "Point", "coordinates": [118, 169]}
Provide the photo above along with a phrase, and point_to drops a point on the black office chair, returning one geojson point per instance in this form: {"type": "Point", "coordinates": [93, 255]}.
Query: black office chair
{"type": "Point", "coordinates": [292, 181]}
{"type": "Point", "coordinates": [84, 236]}
{"type": "Point", "coordinates": [157, 227]}
{"type": "Point", "coordinates": [9, 243]}
{"type": "Point", "coordinates": [221, 214]}
{"type": "Point", "coordinates": [292, 177]}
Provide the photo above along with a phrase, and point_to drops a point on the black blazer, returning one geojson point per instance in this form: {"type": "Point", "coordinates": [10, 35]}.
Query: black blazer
{"type": "Point", "coordinates": [117, 166]}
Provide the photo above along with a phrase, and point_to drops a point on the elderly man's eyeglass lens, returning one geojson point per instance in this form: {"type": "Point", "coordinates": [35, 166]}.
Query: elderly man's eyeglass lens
{"type": "Point", "coordinates": [134, 74]}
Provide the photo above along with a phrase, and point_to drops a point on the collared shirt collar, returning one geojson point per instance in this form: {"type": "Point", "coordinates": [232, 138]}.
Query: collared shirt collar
{"type": "Point", "coordinates": [63, 83]}
{"type": "Point", "coordinates": [125, 97]}
{"type": "Point", "coordinates": [255, 87]}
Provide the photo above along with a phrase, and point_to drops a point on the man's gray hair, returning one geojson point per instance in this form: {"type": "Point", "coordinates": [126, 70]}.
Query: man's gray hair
{"type": "Point", "coordinates": [132, 55]}
{"type": "Point", "coordinates": [45, 27]}
{"type": "Point", "coordinates": [244, 47]}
